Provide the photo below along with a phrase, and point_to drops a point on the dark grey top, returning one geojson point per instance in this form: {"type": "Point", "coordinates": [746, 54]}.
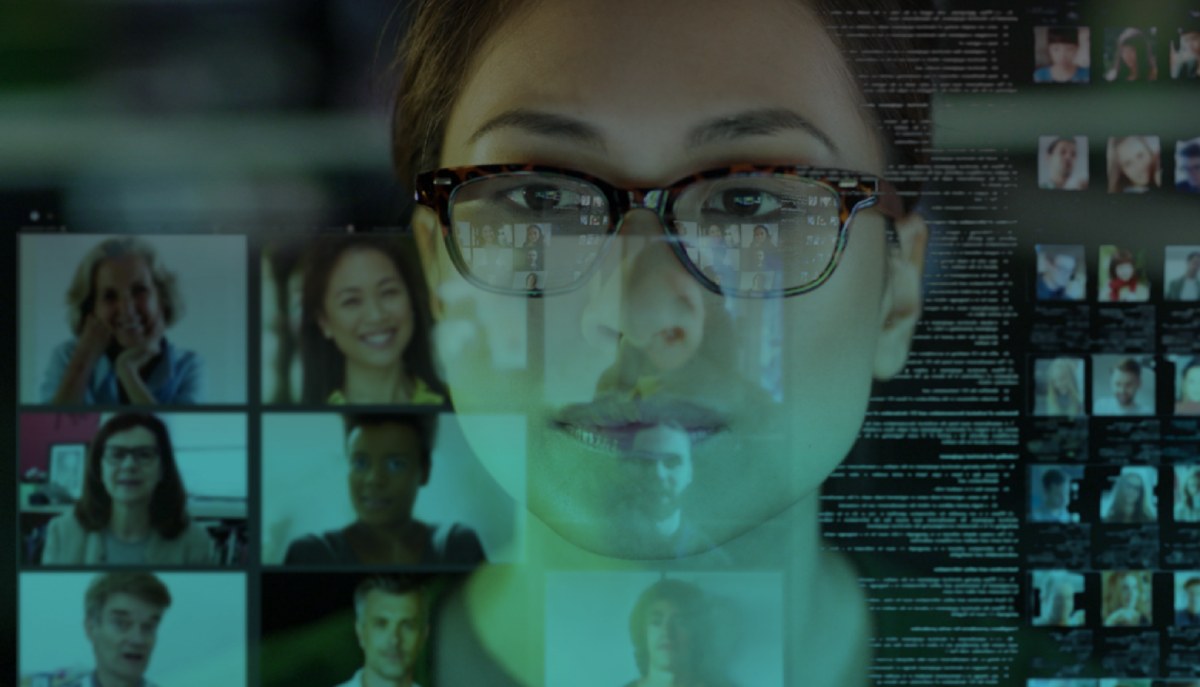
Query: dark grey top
{"type": "Point", "coordinates": [452, 545]}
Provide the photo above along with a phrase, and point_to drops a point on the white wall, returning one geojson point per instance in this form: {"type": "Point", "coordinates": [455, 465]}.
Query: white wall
{"type": "Point", "coordinates": [211, 272]}
{"type": "Point", "coordinates": [201, 641]}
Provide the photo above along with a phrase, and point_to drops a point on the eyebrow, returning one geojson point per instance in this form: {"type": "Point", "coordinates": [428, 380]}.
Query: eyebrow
{"type": "Point", "coordinates": [760, 122]}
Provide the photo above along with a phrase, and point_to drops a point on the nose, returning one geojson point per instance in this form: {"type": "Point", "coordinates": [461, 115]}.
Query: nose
{"type": "Point", "coordinates": [374, 310]}
{"type": "Point", "coordinates": [646, 305]}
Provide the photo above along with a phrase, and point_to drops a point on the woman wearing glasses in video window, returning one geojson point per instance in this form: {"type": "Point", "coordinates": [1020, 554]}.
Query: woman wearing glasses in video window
{"type": "Point", "coordinates": [134, 506]}
{"type": "Point", "coordinates": [766, 125]}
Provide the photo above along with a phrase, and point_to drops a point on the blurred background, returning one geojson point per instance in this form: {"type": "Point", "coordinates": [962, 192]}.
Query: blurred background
{"type": "Point", "coordinates": [127, 113]}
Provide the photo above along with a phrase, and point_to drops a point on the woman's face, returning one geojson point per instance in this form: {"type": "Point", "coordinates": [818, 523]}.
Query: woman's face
{"type": "Point", "coordinates": [126, 300]}
{"type": "Point", "coordinates": [1191, 385]}
{"type": "Point", "coordinates": [641, 342]}
{"type": "Point", "coordinates": [131, 466]}
{"type": "Point", "coordinates": [385, 472]}
{"type": "Point", "coordinates": [1130, 491]}
{"type": "Point", "coordinates": [367, 311]}
{"type": "Point", "coordinates": [1136, 161]}
{"type": "Point", "coordinates": [1063, 379]}
{"type": "Point", "coordinates": [1124, 270]}
{"type": "Point", "coordinates": [532, 235]}
{"type": "Point", "coordinates": [1129, 55]}
{"type": "Point", "coordinates": [1193, 483]}
{"type": "Point", "coordinates": [1129, 592]}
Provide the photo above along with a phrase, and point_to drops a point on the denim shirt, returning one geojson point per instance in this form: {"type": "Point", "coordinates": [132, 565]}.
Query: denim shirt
{"type": "Point", "coordinates": [177, 378]}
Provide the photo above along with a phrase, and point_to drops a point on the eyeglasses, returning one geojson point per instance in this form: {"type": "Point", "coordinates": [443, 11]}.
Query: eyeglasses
{"type": "Point", "coordinates": [750, 231]}
{"type": "Point", "coordinates": [140, 454]}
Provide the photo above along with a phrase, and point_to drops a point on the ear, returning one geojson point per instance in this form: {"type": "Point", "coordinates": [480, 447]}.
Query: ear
{"type": "Point", "coordinates": [901, 306]}
{"type": "Point", "coordinates": [427, 231]}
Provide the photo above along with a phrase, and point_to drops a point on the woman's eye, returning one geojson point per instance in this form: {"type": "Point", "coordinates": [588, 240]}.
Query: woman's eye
{"type": "Point", "coordinates": [743, 203]}
{"type": "Point", "coordinates": [350, 302]}
{"type": "Point", "coordinates": [396, 464]}
{"type": "Point", "coordinates": [358, 463]}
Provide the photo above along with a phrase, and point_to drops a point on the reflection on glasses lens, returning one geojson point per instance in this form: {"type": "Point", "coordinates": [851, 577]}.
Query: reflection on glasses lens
{"type": "Point", "coordinates": [140, 454]}
{"type": "Point", "coordinates": [533, 231]}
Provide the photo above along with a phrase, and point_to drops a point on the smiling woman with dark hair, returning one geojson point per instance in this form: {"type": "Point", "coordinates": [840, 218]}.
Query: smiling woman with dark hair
{"type": "Point", "coordinates": [134, 506]}
{"type": "Point", "coordinates": [363, 334]}
{"type": "Point", "coordinates": [389, 459]}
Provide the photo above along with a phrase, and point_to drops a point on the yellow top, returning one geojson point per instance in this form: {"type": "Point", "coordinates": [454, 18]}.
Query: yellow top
{"type": "Point", "coordinates": [422, 396]}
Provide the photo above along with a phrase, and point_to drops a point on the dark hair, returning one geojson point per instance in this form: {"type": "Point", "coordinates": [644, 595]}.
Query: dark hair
{"type": "Point", "coordinates": [324, 365]}
{"type": "Point", "coordinates": [1190, 150]}
{"type": "Point", "coordinates": [400, 585]}
{"type": "Point", "coordinates": [445, 36]}
{"type": "Point", "coordinates": [1191, 582]}
{"type": "Point", "coordinates": [1052, 478]}
{"type": "Point", "coordinates": [140, 585]}
{"type": "Point", "coordinates": [424, 425]}
{"type": "Point", "coordinates": [168, 503]}
{"type": "Point", "coordinates": [1055, 142]}
{"type": "Point", "coordinates": [1119, 257]}
{"type": "Point", "coordinates": [1062, 34]}
{"type": "Point", "coordinates": [1128, 366]}
{"type": "Point", "coordinates": [690, 600]}
{"type": "Point", "coordinates": [1147, 69]}
{"type": "Point", "coordinates": [1192, 255]}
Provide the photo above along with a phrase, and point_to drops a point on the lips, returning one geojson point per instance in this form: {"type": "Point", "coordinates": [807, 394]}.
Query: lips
{"type": "Point", "coordinates": [374, 502]}
{"type": "Point", "coordinates": [610, 425]}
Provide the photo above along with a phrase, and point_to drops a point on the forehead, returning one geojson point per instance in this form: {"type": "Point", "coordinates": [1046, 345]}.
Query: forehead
{"type": "Point", "coordinates": [362, 262]}
{"type": "Point", "coordinates": [397, 605]}
{"type": "Point", "coordinates": [390, 436]}
{"type": "Point", "coordinates": [134, 436]}
{"type": "Point", "coordinates": [643, 74]}
{"type": "Point", "coordinates": [123, 603]}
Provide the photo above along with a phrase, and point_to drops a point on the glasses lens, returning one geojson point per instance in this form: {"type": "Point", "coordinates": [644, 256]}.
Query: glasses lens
{"type": "Point", "coordinates": [760, 234]}
{"type": "Point", "coordinates": [528, 231]}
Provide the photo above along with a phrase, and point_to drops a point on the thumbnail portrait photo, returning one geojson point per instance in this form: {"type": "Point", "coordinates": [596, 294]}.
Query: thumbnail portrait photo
{"type": "Point", "coordinates": [1187, 164]}
{"type": "Point", "coordinates": [1187, 383]}
{"type": "Point", "coordinates": [1181, 273]}
{"type": "Point", "coordinates": [1129, 496]}
{"type": "Point", "coordinates": [347, 630]}
{"type": "Point", "coordinates": [1053, 490]}
{"type": "Point", "coordinates": [1122, 275]}
{"type": "Point", "coordinates": [1127, 598]}
{"type": "Point", "coordinates": [1058, 385]}
{"type": "Point", "coordinates": [1061, 273]}
{"type": "Point", "coordinates": [396, 488]}
{"type": "Point", "coordinates": [1123, 385]}
{"type": "Point", "coordinates": [132, 320]}
{"type": "Point", "coordinates": [345, 322]}
{"type": "Point", "coordinates": [621, 629]}
{"type": "Point", "coordinates": [1129, 54]}
{"type": "Point", "coordinates": [133, 488]}
{"type": "Point", "coordinates": [1063, 163]}
{"type": "Point", "coordinates": [1185, 53]}
{"type": "Point", "coordinates": [1187, 598]}
{"type": "Point", "coordinates": [132, 627]}
{"type": "Point", "coordinates": [1187, 493]}
{"type": "Point", "coordinates": [1057, 598]}
{"type": "Point", "coordinates": [1134, 164]}
{"type": "Point", "coordinates": [1062, 54]}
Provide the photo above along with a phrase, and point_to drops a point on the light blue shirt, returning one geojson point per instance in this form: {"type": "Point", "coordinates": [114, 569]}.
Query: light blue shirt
{"type": "Point", "coordinates": [178, 378]}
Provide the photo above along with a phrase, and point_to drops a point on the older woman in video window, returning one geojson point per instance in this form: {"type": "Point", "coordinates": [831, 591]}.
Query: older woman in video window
{"type": "Point", "coordinates": [389, 459]}
{"type": "Point", "coordinates": [362, 334]}
{"type": "Point", "coordinates": [121, 301]}
{"type": "Point", "coordinates": [740, 114]}
{"type": "Point", "coordinates": [134, 506]}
